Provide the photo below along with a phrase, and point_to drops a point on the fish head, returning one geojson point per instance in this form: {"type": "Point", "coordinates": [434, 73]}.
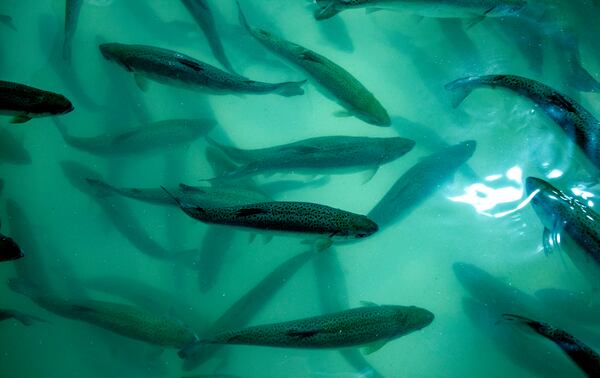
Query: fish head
{"type": "Point", "coordinates": [58, 104]}
{"type": "Point", "coordinates": [412, 318]}
{"type": "Point", "coordinates": [374, 113]}
{"type": "Point", "coordinates": [9, 249]}
{"type": "Point", "coordinates": [507, 8]}
{"type": "Point", "coordinates": [361, 227]}
{"type": "Point", "coordinates": [396, 146]}
{"type": "Point", "coordinates": [548, 202]}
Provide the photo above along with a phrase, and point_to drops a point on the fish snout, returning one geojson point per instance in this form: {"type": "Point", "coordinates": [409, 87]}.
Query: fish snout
{"type": "Point", "coordinates": [533, 184]}
{"type": "Point", "coordinates": [366, 227]}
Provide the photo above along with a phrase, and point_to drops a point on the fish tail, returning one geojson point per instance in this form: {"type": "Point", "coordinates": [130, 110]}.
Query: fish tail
{"type": "Point", "coordinates": [459, 90]}
{"type": "Point", "coordinates": [326, 9]}
{"type": "Point", "coordinates": [242, 18]}
{"type": "Point", "coordinates": [291, 88]}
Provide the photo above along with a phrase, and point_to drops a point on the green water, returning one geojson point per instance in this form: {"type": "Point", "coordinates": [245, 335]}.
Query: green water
{"type": "Point", "coordinates": [477, 217]}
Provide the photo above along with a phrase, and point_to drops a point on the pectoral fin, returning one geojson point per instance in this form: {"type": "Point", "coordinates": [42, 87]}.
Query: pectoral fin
{"type": "Point", "coordinates": [374, 347]}
{"type": "Point", "coordinates": [141, 82]}
{"type": "Point", "coordinates": [342, 114]}
{"type": "Point", "coordinates": [368, 175]}
{"type": "Point", "coordinates": [19, 119]}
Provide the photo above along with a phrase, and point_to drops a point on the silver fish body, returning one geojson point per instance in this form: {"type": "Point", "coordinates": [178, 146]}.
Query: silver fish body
{"type": "Point", "coordinates": [577, 122]}
{"type": "Point", "coordinates": [173, 68]}
{"type": "Point", "coordinates": [427, 8]}
{"type": "Point", "coordinates": [321, 155]}
{"type": "Point", "coordinates": [161, 135]}
{"type": "Point", "coordinates": [330, 78]}
{"type": "Point", "coordinates": [25, 102]}
{"type": "Point", "coordinates": [354, 327]}
{"type": "Point", "coordinates": [290, 217]}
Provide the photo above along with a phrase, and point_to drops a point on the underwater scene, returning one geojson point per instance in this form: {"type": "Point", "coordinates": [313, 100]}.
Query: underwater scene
{"type": "Point", "coordinates": [299, 188]}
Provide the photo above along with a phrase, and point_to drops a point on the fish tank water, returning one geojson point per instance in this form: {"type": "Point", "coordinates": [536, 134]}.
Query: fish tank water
{"type": "Point", "coordinates": [122, 278]}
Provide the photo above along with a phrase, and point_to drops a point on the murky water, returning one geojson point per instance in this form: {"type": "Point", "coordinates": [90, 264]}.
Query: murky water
{"type": "Point", "coordinates": [463, 242]}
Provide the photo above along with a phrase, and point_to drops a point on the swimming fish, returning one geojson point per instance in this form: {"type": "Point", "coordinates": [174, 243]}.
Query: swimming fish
{"type": "Point", "coordinates": [152, 137]}
{"type": "Point", "coordinates": [426, 8]}
{"type": "Point", "coordinates": [584, 356]}
{"type": "Point", "coordinates": [122, 217]}
{"type": "Point", "coordinates": [24, 102]}
{"type": "Point", "coordinates": [72, 9]}
{"type": "Point", "coordinates": [9, 249]}
{"type": "Point", "coordinates": [285, 216]}
{"type": "Point", "coordinates": [12, 150]}
{"type": "Point", "coordinates": [319, 155]}
{"type": "Point", "coordinates": [25, 319]}
{"type": "Point", "coordinates": [373, 324]}
{"type": "Point", "coordinates": [578, 123]}
{"type": "Point", "coordinates": [8, 21]}
{"type": "Point", "coordinates": [201, 12]}
{"type": "Point", "coordinates": [562, 214]}
{"type": "Point", "coordinates": [204, 196]}
{"type": "Point", "coordinates": [331, 79]}
{"type": "Point", "coordinates": [245, 308]}
{"type": "Point", "coordinates": [173, 68]}
{"type": "Point", "coordinates": [419, 182]}
{"type": "Point", "coordinates": [125, 320]}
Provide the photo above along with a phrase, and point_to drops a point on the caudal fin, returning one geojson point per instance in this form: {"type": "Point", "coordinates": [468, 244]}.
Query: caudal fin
{"type": "Point", "coordinates": [291, 88]}
{"type": "Point", "coordinates": [459, 90]}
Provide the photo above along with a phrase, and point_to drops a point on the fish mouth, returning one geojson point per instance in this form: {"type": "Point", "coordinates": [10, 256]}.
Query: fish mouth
{"type": "Point", "coordinates": [532, 184]}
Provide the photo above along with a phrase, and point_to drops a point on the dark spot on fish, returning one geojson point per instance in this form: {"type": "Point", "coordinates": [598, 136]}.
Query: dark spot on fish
{"type": "Point", "coordinates": [249, 212]}
{"type": "Point", "coordinates": [302, 334]}
{"type": "Point", "coordinates": [189, 63]}
{"type": "Point", "coordinates": [135, 190]}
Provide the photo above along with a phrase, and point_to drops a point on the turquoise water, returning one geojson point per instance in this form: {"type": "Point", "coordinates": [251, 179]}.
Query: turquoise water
{"type": "Point", "coordinates": [75, 250]}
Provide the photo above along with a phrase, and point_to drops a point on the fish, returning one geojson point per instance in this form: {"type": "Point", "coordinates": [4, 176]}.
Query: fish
{"type": "Point", "coordinates": [577, 122]}
{"type": "Point", "coordinates": [200, 10]}
{"type": "Point", "coordinates": [152, 137]}
{"type": "Point", "coordinates": [488, 298]}
{"type": "Point", "coordinates": [330, 79]}
{"type": "Point", "coordinates": [419, 182]}
{"type": "Point", "coordinates": [24, 102]}
{"type": "Point", "coordinates": [245, 308]}
{"type": "Point", "coordinates": [204, 196]}
{"type": "Point", "coordinates": [562, 216]}
{"type": "Point", "coordinates": [286, 216]}
{"type": "Point", "coordinates": [581, 354]}
{"type": "Point", "coordinates": [8, 21]}
{"type": "Point", "coordinates": [147, 296]}
{"type": "Point", "coordinates": [9, 249]}
{"type": "Point", "coordinates": [126, 320]}
{"type": "Point", "coordinates": [72, 10]}
{"type": "Point", "coordinates": [12, 150]}
{"type": "Point", "coordinates": [122, 217]}
{"type": "Point", "coordinates": [176, 69]}
{"type": "Point", "coordinates": [320, 155]}
{"type": "Point", "coordinates": [477, 9]}
{"type": "Point", "coordinates": [372, 325]}
{"type": "Point", "coordinates": [25, 319]}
